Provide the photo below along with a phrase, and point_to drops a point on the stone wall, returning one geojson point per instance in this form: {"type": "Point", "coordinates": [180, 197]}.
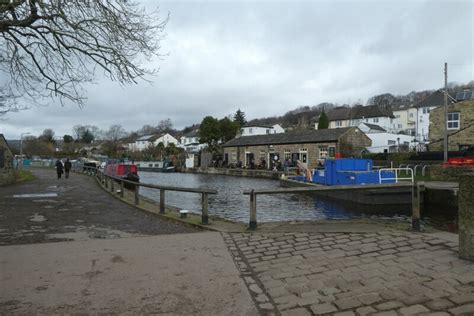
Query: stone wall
{"type": "Point", "coordinates": [466, 217]}
{"type": "Point", "coordinates": [353, 142]}
{"type": "Point", "coordinates": [440, 173]}
{"type": "Point", "coordinates": [237, 154]}
{"type": "Point", "coordinates": [465, 134]}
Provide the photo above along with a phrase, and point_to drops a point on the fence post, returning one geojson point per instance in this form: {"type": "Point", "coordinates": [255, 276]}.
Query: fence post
{"type": "Point", "coordinates": [204, 216]}
{"type": "Point", "coordinates": [415, 204]}
{"type": "Point", "coordinates": [162, 201]}
{"type": "Point", "coordinates": [466, 217]}
{"type": "Point", "coordinates": [121, 188]}
{"type": "Point", "coordinates": [106, 181]}
{"type": "Point", "coordinates": [253, 210]}
{"type": "Point", "coordinates": [137, 188]}
{"type": "Point", "coordinates": [112, 185]}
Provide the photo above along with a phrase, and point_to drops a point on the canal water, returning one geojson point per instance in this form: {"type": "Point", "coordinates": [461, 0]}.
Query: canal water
{"type": "Point", "coordinates": [230, 203]}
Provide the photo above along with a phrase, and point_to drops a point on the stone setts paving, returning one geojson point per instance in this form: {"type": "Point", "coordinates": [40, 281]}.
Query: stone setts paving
{"type": "Point", "coordinates": [383, 273]}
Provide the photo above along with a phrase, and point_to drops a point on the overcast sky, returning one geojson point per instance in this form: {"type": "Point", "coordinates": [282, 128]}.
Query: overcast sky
{"type": "Point", "coordinates": [268, 57]}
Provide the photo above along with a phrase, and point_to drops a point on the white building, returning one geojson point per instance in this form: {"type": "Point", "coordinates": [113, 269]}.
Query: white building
{"type": "Point", "coordinates": [383, 141]}
{"type": "Point", "coordinates": [424, 108]}
{"type": "Point", "coordinates": [372, 114]}
{"type": "Point", "coordinates": [144, 142]}
{"type": "Point", "coordinates": [252, 130]}
{"type": "Point", "coordinates": [405, 119]}
{"type": "Point", "coordinates": [190, 142]}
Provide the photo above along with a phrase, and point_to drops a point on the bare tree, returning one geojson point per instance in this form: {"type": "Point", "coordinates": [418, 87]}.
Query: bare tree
{"type": "Point", "coordinates": [52, 47]}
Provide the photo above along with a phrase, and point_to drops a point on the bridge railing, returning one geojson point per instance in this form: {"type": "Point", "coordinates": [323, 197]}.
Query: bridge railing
{"type": "Point", "coordinates": [109, 183]}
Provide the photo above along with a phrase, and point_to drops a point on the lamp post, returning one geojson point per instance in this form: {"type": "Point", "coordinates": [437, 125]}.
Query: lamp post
{"type": "Point", "coordinates": [21, 148]}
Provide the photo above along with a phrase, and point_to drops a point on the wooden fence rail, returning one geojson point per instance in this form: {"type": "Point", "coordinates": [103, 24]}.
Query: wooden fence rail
{"type": "Point", "coordinates": [417, 188]}
{"type": "Point", "coordinates": [106, 178]}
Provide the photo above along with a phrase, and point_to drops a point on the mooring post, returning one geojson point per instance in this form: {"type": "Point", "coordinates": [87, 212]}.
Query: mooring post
{"type": "Point", "coordinates": [137, 188]}
{"type": "Point", "coordinates": [466, 217]}
{"type": "Point", "coordinates": [253, 210]}
{"type": "Point", "coordinates": [121, 189]}
{"type": "Point", "coordinates": [162, 201]}
{"type": "Point", "coordinates": [415, 204]}
{"type": "Point", "coordinates": [204, 216]}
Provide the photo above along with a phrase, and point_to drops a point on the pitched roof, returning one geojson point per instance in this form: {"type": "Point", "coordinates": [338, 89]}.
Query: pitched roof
{"type": "Point", "coordinates": [257, 125]}
{"type": "Point", "coordinates": [433, 100]}
{"type": "Point", "coordinates": [194, 133]}
{"type": "Point", "coordinates": [359, 112]}
{"type": "Point", "coordinates": [375, 127]}
{"type": "Point", "coordinates": [318, 136]}
{"type": "Point", "coordinates": [4, 139]}
{"type": "Point", "coordinates": [339, 113]}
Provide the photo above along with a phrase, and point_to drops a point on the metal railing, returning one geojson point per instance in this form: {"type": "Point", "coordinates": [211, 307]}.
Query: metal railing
{"type": "Point", "coordinates": [397, 177]}
{"type": "Point", "coordinates": [109, 182]}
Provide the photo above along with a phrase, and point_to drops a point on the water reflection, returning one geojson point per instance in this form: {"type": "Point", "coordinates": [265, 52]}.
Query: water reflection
{"type": "Point", "coordinates": [230, 203]}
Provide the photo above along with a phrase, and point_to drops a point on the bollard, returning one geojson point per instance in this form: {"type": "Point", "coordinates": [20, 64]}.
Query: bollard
{"type": "Point", "coordinates": [416, 202]}
{"type": "Point", "coordinates": [121, 189]}
{"type": "Point", "coordinates": [162, 201]}
{"type": "Point", "coordinates": [136, 194]}
{"type": "Point", "coordinates": [204, 216]}
{"type": "Point", "coordinates": [466, 217]}
{"type": "Point", "coordinates": [253, 210]}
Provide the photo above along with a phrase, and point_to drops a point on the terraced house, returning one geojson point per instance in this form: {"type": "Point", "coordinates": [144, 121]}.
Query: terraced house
{"type": "Point", "coordinates": [460, 124]}
{"type": "Point", "coordinates": [307, 146]}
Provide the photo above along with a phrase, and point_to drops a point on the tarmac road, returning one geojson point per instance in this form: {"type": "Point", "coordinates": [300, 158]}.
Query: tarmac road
{"type": "Point", "coordinates": [75, 209]}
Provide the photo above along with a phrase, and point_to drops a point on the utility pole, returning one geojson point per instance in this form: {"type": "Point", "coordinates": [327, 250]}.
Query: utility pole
{"type": "Point", "coordinates": [445, 111]}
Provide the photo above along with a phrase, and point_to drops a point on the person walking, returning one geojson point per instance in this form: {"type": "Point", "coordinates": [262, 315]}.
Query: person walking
{"type": "Point", "coordinates": [67, 167]}
{"type": "Point", "coordinates": [59, 168]}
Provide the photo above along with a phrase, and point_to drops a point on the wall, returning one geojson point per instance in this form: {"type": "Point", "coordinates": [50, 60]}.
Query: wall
{"type": "Point", "coordinates": [465, 134]}
{"type": "Point", "coordinates": [238, 154]}
{"type": "Point", "coordinates": [380, 141]}
{"type": "Point", "coordinates": [7, 173]}
{"type": "Point", "coordinates": [353, 142]}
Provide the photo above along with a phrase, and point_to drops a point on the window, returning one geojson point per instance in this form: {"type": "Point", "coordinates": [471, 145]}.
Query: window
{"type": "Point", "coordinates": [411, 115]}
{"type": "Point", "coordinates": [323, 152]}
{"type": "Point", "coordinates": [268, 131]}
{"type": "Point", "coordinates": [338, 123]}
{"type": "Point", "coordinates": [391, 142]}
{"type": "Point", "coordinates": [376, 120]}
{"type": "Point", "coordinates": [426, 110]}
{"type": "Point", "coordinates": [453, 120]}
{"type": "Point", "coordinates": [397, 116]}
{"type": "Point", "coordinates": [287, 154]}
{"type": "Point", "coordinates": [332, 152]}
{"type": "Point", "coordinates": [250, 130]}
{"type": "Point", "coordinates": [391, 120]}
{"type": "Point", "coordinates": [400, 125]}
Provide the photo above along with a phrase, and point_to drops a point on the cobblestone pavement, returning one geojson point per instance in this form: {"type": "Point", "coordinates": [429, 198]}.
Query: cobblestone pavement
{"type": "Point", "coordinates": [383, 273]}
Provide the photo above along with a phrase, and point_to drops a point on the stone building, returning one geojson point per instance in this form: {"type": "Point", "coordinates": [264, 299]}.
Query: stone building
{"type": "Point", "coordinates": [460, 126]}
{"type": "Point", "coordinates": [7, 173]}
{"type": "Point", "coordinates": [307, 146]}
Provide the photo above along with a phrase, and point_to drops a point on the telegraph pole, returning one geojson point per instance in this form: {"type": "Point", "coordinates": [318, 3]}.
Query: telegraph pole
{"type": "Point", "coordinates": [445, 111]}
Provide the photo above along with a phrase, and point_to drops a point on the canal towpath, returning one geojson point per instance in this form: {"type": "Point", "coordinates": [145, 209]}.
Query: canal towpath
{"type": "Point", "coordinates": [287, 269]}
{"type": "Point", "coordinates": [68, 247]}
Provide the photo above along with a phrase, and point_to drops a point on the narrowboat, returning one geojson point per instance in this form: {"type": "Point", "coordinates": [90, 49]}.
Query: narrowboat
{"type": "Point", "coordinates": [124, 171]}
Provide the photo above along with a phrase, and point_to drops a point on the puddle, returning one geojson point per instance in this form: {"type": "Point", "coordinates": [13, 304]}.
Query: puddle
{"type": "Point", "coordinates": [35, 195]}
{"type": "Point", "coordinates": [37, 218]}
{"type": "Point", "coordinates": [45, 201]}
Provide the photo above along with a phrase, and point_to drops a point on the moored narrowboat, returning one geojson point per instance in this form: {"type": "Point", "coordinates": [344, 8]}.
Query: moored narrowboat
{"type": "Point", "coordinates": [124, 171]}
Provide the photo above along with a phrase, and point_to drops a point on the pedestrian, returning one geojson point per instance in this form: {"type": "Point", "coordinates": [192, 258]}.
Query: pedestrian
{"type": "Point", "coordinates": [59, 168]}
{"type": "Point", "coordinates": [67, 167]}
